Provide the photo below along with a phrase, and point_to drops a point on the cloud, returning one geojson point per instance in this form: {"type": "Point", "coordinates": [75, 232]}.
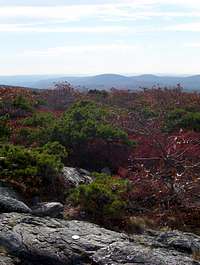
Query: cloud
{"type": "Point", "coordinates": [135, 9]}
{"type": "Point", "coordinates": [152, 14]}
{"type": "Point", "coordinates": [185, 27]}
{"type": "Point", "coordinates": [115, 29]}
{"type": "Point", "coordinates": [62, 29]}
{"type": "Point", "coordinates": [81, 49]}
{"type": "Point", "coordinates": [70, 13]}
{"type": "Point", "coordinates": [110, 17]}
{"type": "Point", "coordinates": [192, 45]}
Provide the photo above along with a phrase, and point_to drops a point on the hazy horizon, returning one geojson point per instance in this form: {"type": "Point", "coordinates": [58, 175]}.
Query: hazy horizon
{"type": "Point", "coordinates": [86, 37]}
{"type": "Point", "coordinates": [98, 74]}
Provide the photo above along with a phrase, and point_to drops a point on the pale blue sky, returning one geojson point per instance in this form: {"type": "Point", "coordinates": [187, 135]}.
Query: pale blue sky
{"type": "Point", "coordinates": [91, 37]}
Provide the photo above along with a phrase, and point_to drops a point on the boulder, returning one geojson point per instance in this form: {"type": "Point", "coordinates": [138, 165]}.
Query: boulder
{"type": "Point", "coordinates": [52, 209]}
{"type": "Point", "coordinates": [9, 191]}
{"type": "Point", "coordinates": [6, 261]}
{"type": "Point", "coordinates": [45, 241]}
{"type": "Point", "coordinates": [73, 177]}
{"type": "Point", "coordinates": [8, 204]}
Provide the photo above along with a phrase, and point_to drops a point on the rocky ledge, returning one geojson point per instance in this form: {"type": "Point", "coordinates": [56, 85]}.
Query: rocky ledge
{"type": "Point", "coordinates": [30, 240]}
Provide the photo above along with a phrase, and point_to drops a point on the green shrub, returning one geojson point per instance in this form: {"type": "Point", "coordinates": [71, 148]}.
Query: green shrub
{"type": "Point", "coordinates": [40, 102]}
{"type": "Point", "coordinates": [33, 136]}
{"type": "Point", "coordinates": [191, 121]}
{"type": "Point", "coordinates": [22, 103]}
{"type": "Point", "coordinates": [39, 119]}
{"type": "Point", "coordinates": [104, 200]}
{"type": "Point", "coordinates": [84, 129]}
{"type": "Point", "coordinates": [86, 121]}
{"type": "Point", "coordinates": [28, 169]}
{"type": "Point", "coordinates": [5, 131]}
{"type": "Point", "coordinates": [174, 119]}
{"type": "Point", "coordinates": [147, 112]}
{"type": "Point", "coordinates": [24, 136]}
{"type": "Point", "coordinates": [55, 149]}
{"type": "Point", "coordinates": [180, 118]}
{"type": "Point", "coordinates": [92, 140]}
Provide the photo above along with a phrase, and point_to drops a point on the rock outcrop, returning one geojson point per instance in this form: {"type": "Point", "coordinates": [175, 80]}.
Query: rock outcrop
{"type": "Point", "coordinates": [9, 192]}
{"type": "Point", "coordinates": [8, 204]}
{"type": "Point", "coordinates": [6, 261]}
{"type": "Point", "coordinates": [45, 241]}
{"type": "Point", "coordinates": [52, 209]}
{"type": "Point", "coordinates": [73, 177]}
{"type": "Point", "coordinates": [29, 237]}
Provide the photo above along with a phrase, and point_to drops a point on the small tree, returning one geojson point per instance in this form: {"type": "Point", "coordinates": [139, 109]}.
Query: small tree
{"type": "Point", "coordinates": [90, 136]}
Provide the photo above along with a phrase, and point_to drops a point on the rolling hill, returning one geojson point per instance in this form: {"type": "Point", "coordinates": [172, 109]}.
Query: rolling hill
{"type": "Point", "coordinates": [104, 81]}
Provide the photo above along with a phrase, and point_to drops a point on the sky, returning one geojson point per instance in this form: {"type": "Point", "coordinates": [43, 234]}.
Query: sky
{"type": "Point", "coordinates": [93, 36]}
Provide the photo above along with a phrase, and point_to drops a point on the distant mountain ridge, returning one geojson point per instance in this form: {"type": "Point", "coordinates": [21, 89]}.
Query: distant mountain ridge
{"type": "Point", "coordinates": [103, 81]}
